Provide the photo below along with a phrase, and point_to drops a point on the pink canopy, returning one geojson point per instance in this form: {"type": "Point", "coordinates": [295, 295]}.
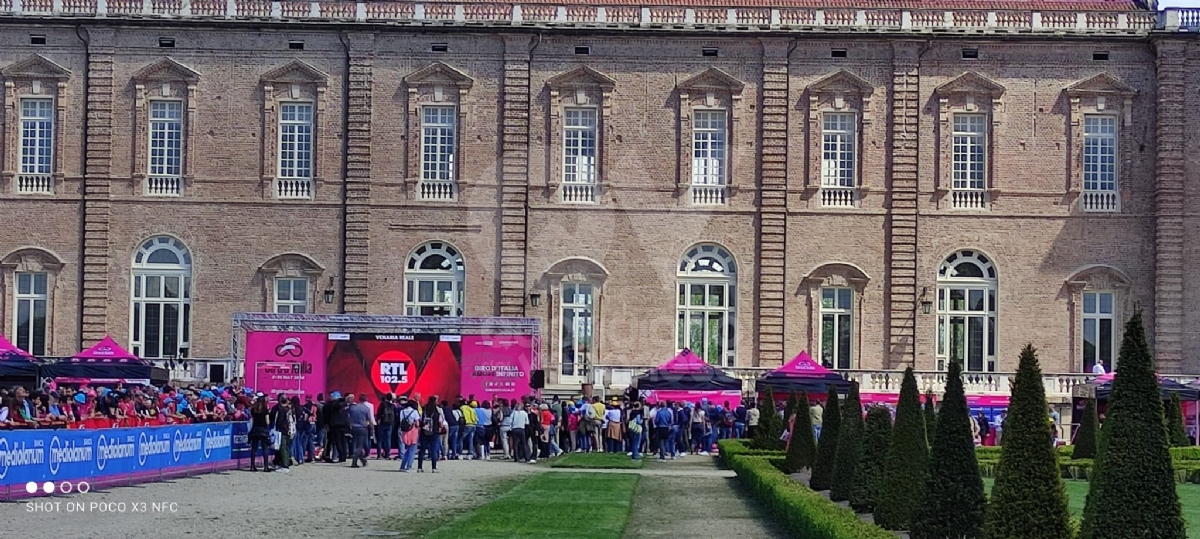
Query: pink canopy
{"type": "Point", "coordinates": [685, 361]}
{"type": "Point", "coordinates": [105, 351]}
{"type": "Point", "coordinates": [7, 348]}
{"type": "Point", "coordinates": [803, 365]}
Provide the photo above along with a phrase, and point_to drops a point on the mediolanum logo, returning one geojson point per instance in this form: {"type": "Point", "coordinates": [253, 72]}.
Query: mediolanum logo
{"type": "Point", "coordinates": [113, 449]}
{"type": "Point", "coordinates": [18, 455]}
{"type": "Point", "coordinates": [215, 439]}
{"type": "Point", "coordinates": [148, 445]}
{"type": "Point", "coordinates": [185, 443]}
{"type": "Point", "coordinates": [67, 453]}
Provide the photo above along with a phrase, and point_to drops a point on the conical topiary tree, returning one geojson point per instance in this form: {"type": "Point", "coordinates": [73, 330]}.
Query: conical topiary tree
{"type": "Point", "coordinates": [908, 455]}
{"type": "Point", "coordinates": [770, 427]}
{"type": "Point", "coordinates": [1132, 492]}
{"type": "Point", "coordinates": [868, 475]}
{"type": "Point", "coordinates": [1175, 431]}
{"type": "Point", "coordinates": [831, 419]}
{"type": "Point", "coordinates": [802, 451]}
{"type": "Point", "coordinates": [954, 503]}
{"type": "Point", "coordinates": [930, 416]}
{"type": "Point", "coordinates": [789, 409]}
{"type": "Point", "coordinates": [1085, 437]}
{"type": "Point", "coordinates": [849, 447]}
{"type": "Point", "coordinates": [1029, 500]}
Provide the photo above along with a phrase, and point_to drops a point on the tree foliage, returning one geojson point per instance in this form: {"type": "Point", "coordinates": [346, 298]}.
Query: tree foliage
{"type": "Point", "coordinates": [831, 419]}
{"type": "Point", "coordinates": [1175, 430]}
{"type": "Point", "coordinates": [1029, 500]}
{"type": "Point", "coordinates": [868, 476]}
{"type": "Point", "coordinates": [1132, 493]}
{"type": "Point", "coordinates": [954, 503]}
{"type": "Point", "coordinates": [849, 447]}
{"type": "Point", "coordinates": [770, 425]}
{"type": "Point", "coordinates": [1085, 437]}
{"type": "Point", "coordinates": [908, 455]}
{"type": "Point", "coordinates": [802, 450]}
{"type": "Point", "coordinates": [930, 416]}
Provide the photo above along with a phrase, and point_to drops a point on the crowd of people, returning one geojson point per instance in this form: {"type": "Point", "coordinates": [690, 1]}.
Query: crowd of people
{"type": "Point", "coordinates": [121, 406]}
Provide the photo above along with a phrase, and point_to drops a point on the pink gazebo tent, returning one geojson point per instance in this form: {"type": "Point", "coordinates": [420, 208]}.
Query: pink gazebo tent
{"type": "Point", "coordinates": [106, 351]}
{"type": "Point", "coordinates": [14, 362]}
{"type": "Point", "coordinates": [802, 373]}
{"type": "Point", "coordinates": [105, 362]}
{"type": "Point", "coordinates": [687, 377]}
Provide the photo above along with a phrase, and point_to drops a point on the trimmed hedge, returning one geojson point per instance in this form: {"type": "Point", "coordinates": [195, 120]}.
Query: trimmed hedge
{"type": "Point", "coordinates": [729, 447]}
{"type": "Point", "coordinates": [801, 510]}
{"type": "Point", "coordinates": [1081, 469]}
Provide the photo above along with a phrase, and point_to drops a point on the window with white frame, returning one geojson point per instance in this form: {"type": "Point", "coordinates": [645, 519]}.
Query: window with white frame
{"type": "Point", "coordinates": [579, 145]}
{"type": "Point", "coordinates": [706, 305]}
{"type": "Point", "coordinates": [166, 148]}
{"type": "Point", "coordinates": [1098, 332]}
{"type": "Point", "coordinates": [438, 125]}
{"type": "Point", "coordinates": [291, 295]}
{"type": "Point", "coordinates": [1099, 162]}
{"type": "Point", "coordinates": [837, 327]}
{"type": "Point", "coordinates": [433, 281]}
{"type": "Point", "coordinates": [969, 152]}
{"type": "Point", "coordinates": [37, 146]}
{"type": "Point", "coordinates": [708, 147]}
{"type": "Point", "coordinates": [161, 327]}
{"type": "Point", "coordinates": [32, 312]}
{"type": "Point", "coordinates": [296, 141]}
{"type": "Point", "coordinates": [578, 325]}
{"type": "Point", "coordinates": [966, 305]}
{"type": "Point", "coordinates": [838, 150]}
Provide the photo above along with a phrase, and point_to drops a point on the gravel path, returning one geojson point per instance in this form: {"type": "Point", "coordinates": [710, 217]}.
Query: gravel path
{"type": "Point", "coordinates": [314, 500]}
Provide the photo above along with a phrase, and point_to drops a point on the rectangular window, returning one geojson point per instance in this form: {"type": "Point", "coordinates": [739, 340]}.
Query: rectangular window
{"type": "Point", "coordinates": [291, 296]}
{"type": "Point", "coordinates": [837, 327]}
{"type": "Point", "coordinates": [31, 313]}
{"type": "Point", "coordinates": [706, 321]}
{"type": "Point", "coordinates": [1098, 334]}
{"type": "Point", "coordinates": [1100, 163]}
{"type": "Point", "coordinates": [969, 152]}
{"type": "Point", "coordinates": [838, 159]}
{"type": "Point", "coordinates": [708, 147]}
{"type": "Point", "coordinates": [579, 145]}
{"type": "Point", "coordinates": [166, 138]}
{"type": "Point", "coordinates": [438, 126]}
{"type": "Point", "coordinates": [578, 323]}
{"type": "Point", "coordinates": [296, 140]}
{"type": "Point", "coordinates": [967, 327]}
{"type": "Point", "coordinates": [161, 315]}
{"type": "Point", "coordinates": [37, 146]}
{"type": "Point", "coordinates": [431, 296]}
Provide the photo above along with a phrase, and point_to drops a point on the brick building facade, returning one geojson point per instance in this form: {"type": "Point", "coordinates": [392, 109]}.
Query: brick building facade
{"type": "Point", "coordinates": [843, 181]}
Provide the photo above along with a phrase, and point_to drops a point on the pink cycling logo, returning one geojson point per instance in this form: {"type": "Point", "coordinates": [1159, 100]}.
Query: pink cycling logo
{"type": "Point", "coordinates": [290, 347]}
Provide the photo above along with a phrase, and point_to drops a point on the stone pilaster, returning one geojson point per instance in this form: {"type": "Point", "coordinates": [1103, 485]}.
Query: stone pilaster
{"type": "Point", "coordinates": [901, 250]}
{"type": "Point", "coordinates": [1168, 204]}
{"type": "Point", "coordinates": [772, 218]}
{"type": "Point", "coordinates": [514, 174]}
{"type": "Point", "coordinates": [97, 206]}
{"type": "Point", "coordinates": [355, 254]}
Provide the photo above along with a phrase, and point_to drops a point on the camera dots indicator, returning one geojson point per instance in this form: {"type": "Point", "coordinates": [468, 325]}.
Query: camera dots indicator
{"type": "Point", "coordinates": [65, 487]}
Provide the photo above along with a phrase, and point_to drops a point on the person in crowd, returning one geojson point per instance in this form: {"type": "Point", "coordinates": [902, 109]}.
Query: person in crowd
{"type": "Point", "coordinates": [483, 430]}
{"type": "Point", "coordinates": [740, 417]}
{"type": "Point", "coordinates": [636, 426]}
{"type": "Point", "coordinates": [360, 429]}
{"type": "Point", "coordinates": [520, 442]}
{"type": "Point", "coordinates": [409, 425]}
{"type": "Point", "coordinates": [296, 450]}
{"type": "Point", "coordinates": [753, 414]}
{"type": "Point", "coordinates": [1054, 422]}
{"type": "Point", "coordinates": [284, 423]}
{"type": "Point", "coordinates": [699, 422]}
{"type": "Point", "coordinates": [506, 421]}
{"type": "Point", "coordinates": [975, 430]}
{"type": "Point", "coordinates": [260, 431]}
{"type": "Point", "coordinates": [816, 414]}
{"type": "Point", "coordinates": [385, 419]}
{"type": "Point", "coordinates": [453, 417]}
{"type": "Point", "coordinates": [985, 427]}
{"type": "Point", "coordinates": [306, 424]}
{"type": "Point", "coordinates": [663, 420]}
{"type": "Point", "coordinates": [339, 428]}
{"type": "Point", "coordinates": [466, 433]}
{"type": "Point", "coordinates": [433, 426]}
{"type": "Point", "coordinates": [322, 424]}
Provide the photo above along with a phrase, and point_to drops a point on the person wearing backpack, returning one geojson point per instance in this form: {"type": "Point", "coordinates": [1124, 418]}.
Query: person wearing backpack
{"type": "Point", "coordinates": [409, 420]}
{"type": "Point", "coordinates": [433, 426]}
{"type": "Point", "coordinates": [385, 417]}
{"type": "Point", "coordinates": [636, 426]}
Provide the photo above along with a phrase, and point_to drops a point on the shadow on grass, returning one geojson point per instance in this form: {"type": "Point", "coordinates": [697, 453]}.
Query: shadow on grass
{"type": "Point", "coordinates": [601, 461]}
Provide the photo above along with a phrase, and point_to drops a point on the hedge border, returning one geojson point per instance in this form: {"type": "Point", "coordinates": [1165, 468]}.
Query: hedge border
{"type": "Point", "coordinates": [1178, 454]}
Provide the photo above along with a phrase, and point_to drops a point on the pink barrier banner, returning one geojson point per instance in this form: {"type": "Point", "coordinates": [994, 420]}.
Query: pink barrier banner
{"type": "Point", "coordinates": [732, 396]}
{"type": "Point", "coordinates": [496, 366]}
{"type": "Point", "coordinates": [290, 363]}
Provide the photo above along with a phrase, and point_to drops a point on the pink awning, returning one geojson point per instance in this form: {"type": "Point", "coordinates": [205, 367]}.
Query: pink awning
{"type": "Point", "coordinates": [105, 351]}
{"type": "Point", "coordinates": [8, 348]}
{"type": "Point", "coordinates": [803, 365]}
{"type": "Point", "coordinates": [685, 361]}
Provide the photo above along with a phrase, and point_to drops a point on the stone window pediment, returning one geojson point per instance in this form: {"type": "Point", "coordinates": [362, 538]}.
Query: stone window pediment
{"type": "Point", "coordinates": [712, 79]}
{"type": "Point", "coordinates": [295, 82]}
{"type": "Point", "coordinates": [437, 84]}
{"type": "Point", "coordinates": [291, 265]}
{"type": "Point", "coordinates": [837, 92]}
{"type": "Point", "coordinates": [35, 67]}
{"type": "Point", "coordinates": [166, 70]}
{"type": "Point", "coordinates": [1098, 277]}
{"type": "Point", "coordinates": [579, 88]}
{"type": "Point", "coordinates": [31, 259]}
{"type": "Point", "coordinates": [439, 74]}
{"type": "Point", "coordinates": [167, 80]}
{"type": "Point", "coordinates": [35, 77]}
{"type": "Point", "coordinates": [1105, 95]}
{"type": "Point", "coordinates": [1100, 84]}
{"type": "Point", "coordinates": [581, 77]}
{"type": "Point", "coordinates": [970, 83]}
{"type": "Point", "coordinates": [969, 94]}
{"type": "Point", "coordinates": [295, 72]}
{"type": "Point", "coordinates": [843, 82]}
{"type": "Point", "coordinates": [837, 274]}
{"type": "Point", "coordinates": [577, 270]}
{"type": "Point", "coordinates": [709, 91]}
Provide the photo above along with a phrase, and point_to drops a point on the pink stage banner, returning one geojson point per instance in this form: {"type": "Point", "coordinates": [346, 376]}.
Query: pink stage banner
{"type": "Point", "coordinates": [283, 362]}
{"type": "Point", "coordinates": [733, 396]}
{"type": "Point", "coordinates": [496, 366]}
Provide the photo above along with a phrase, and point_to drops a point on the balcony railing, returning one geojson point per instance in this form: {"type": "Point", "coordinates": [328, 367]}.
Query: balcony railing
{"type": "Point", "coordinates": [35, 184]}
{"type": "Point", "coordinates": [579, 193]}
{"type": "Point", "coordinates": [838, 197]}
{"type": "Point", "coordinates": [708, 195]}
{"type": "Point", "coordinates": [293, 188]}
{"type": "Point", "coordinates": [437, 190]}
{"type": "Point", "coordinates": [1101, 201]}
{"type": "Point", "coordinates": [969, 199]}
{"type": "Point", "coordinates": [651, 16]}
{"type": "Point", "coordinates": [164, 186]}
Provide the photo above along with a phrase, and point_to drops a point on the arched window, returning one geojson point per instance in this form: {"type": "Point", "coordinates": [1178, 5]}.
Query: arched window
{"type": "Point", "coordinates": [433, 281]}
{"type": "Point", "coordinates": [161, 327]}
{"type": "Point", "coordinates": [966, 286]}
{"type": "Point", "coordinates": [706, 314]}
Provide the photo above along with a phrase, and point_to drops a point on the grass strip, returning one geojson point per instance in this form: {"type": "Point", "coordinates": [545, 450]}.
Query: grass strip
{"type": "Point", "coordinates": [1189, 498]}
{"type": "Point", "coordinates": [602, 461]}
{"type": "Point", "coordinates": [552, 506]}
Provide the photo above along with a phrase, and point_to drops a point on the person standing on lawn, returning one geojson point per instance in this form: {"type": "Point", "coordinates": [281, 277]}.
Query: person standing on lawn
{"type": "Point", "coordinates": [433, 426]}
{"type": "Point", "coordinates": [360, 430]}
{"type": "Point", "coordinates": [520, 420]}
{"type": "Point", "coordinates": [664, 421]}
{"type": "Point", "coordinates": [752, 417]}
{"type": "Point", "coordinates": [385, 418]}
{"type": "Point", "coordinates": [409, 420]}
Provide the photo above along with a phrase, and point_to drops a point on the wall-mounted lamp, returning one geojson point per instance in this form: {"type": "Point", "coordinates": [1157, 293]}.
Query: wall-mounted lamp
{"type": "Point", "coordinates": [329, 291]}
{"type": "Point", "coordinates": [926, 305]}
{"type": "Point", "coordinates": [535, 299]}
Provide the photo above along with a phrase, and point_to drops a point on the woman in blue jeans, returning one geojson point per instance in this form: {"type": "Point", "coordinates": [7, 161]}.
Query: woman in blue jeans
{"type": "Point", "coordinates": [433, 425]}
{"type": "Point", "coordinates": [409, 439]}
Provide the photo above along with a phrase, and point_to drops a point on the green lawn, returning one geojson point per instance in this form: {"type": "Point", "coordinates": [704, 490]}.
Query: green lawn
{"type": "Point", "coordinates": [597, 461]}
{"type": "Point", "coordinates": [552, 506]}
{"type": "Point", "coordinates": [1189, 497]}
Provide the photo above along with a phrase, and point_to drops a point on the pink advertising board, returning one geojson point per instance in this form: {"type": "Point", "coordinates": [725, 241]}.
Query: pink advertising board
{"type": "Point", "coordinates": [282, 362]}
{"type": "Point", "coordinates": [732, 396]}
{"type": "Point", "coordinates": [496, 366]}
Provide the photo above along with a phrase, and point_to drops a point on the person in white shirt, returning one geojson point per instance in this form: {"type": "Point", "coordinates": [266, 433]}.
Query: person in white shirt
{"type": "Point", "coordinates": [520, 420]}
{"type": "Point", "coordinates": [1098, 369]}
